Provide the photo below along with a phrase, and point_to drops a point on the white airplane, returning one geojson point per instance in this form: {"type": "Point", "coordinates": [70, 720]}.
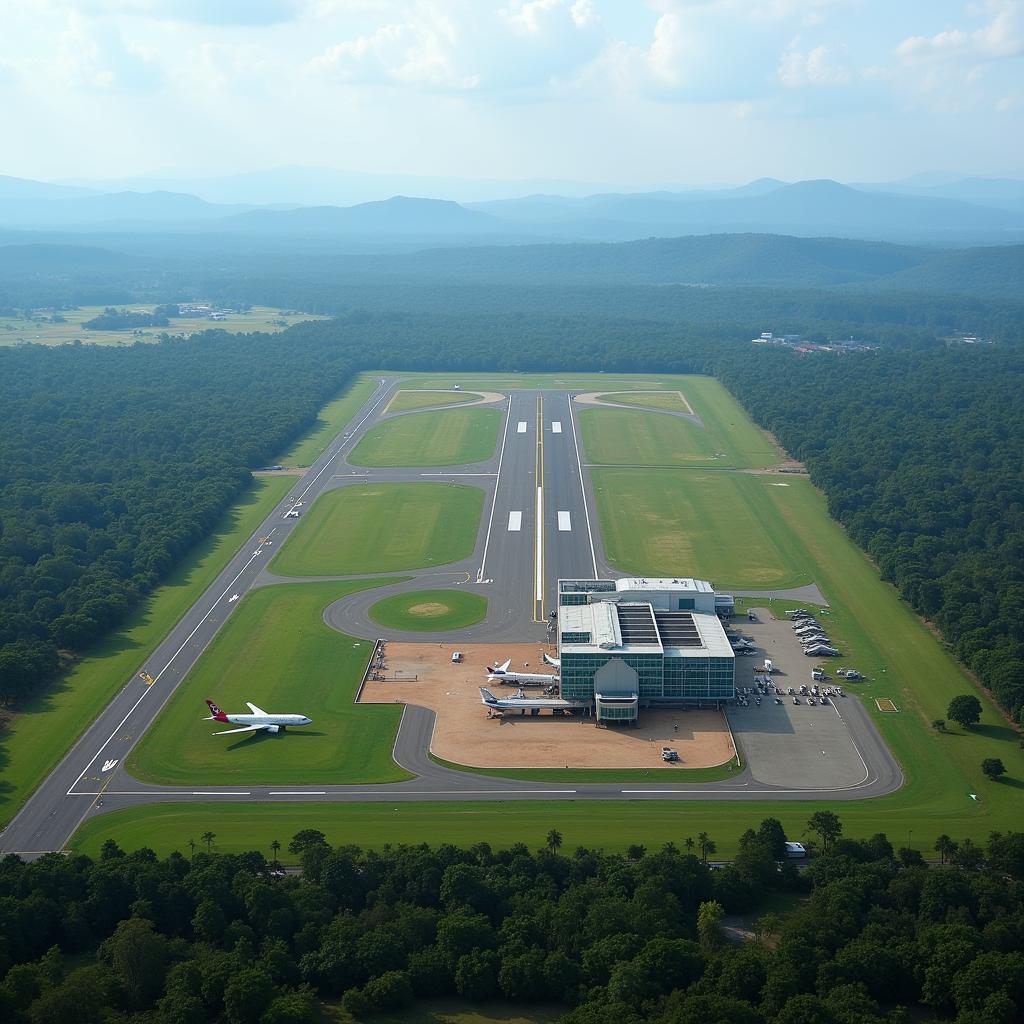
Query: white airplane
{"type": "Point", "coordinates": [553, 662]}
{"type": "Point", "coordinates": [254, 722]}
{"type": "Point", "coordinates": [501, 674]}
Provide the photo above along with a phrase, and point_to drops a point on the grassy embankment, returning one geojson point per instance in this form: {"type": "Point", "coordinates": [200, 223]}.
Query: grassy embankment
{"type": "Point", "coordinates": [430, 610]}
{"type": "Point", "coordinates": [277, 652]}
{"type": "Point", "coordinates": [41, 733]}
{"type": "Point", "coordinates": [371, 528]}
{"type": "Point", "coordinates": [331, 418]}
{"type": "Point", "coordinates": [447, 438]}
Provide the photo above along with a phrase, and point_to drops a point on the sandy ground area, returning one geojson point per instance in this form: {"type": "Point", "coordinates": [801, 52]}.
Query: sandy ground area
{"type": "Point", "coordinates": [279, 472]}
{"type": "Point", "coordinates": [424, 674]}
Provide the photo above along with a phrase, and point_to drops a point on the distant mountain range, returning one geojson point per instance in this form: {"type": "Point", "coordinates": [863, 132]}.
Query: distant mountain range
{"type": "Point", "coordinates": [964, 211]}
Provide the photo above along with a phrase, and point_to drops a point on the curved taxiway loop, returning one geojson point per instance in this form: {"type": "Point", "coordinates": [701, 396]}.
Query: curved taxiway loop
{"type": "Point", "coordinates": [594, 400]}
{"type": "Point", "coordinates": [486, 398]}
{"type": "Point", "coordinates": [538, 470]}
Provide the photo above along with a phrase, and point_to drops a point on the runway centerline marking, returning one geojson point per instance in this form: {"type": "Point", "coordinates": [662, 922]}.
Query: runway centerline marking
{"type": "Point", "coordinates": [515, 522]}
{"type": "Point", "coordinates": [494, 499]}
{"type": "Point", "coordinates": [521, 427]}
{"type": "Point", "coordinates": [564, 521]}
{"type": "Point", "coordinates": [556, 427]}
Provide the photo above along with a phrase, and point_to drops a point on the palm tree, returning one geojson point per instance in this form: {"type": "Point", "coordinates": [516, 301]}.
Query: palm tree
{"type": "Point", "coordinates": [945, 847]}
{"type": "Point", "coordinates": [689, 844]}
{"type": "Point", "coordinates": [208, 838]}
{"type": "Point", "coordinates": [192, 849]}
{"type": "Point", "coordinates": [275, 849]}
{"type": "Point", "coordinates": [704, 841]}
{"type": "Point", "coordinates": [554, 840]}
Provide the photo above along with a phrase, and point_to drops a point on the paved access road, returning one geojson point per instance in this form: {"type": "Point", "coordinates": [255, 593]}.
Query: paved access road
{"type": "Point", "coordinates": [538, 525]}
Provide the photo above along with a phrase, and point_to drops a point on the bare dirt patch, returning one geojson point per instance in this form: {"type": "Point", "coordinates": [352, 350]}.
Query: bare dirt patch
{"type": "Point", "coordinates": [278, 472]}
{"type": "Point", "coordinates": [424, 674]}
{"type": "Point", "coordinates": [884, 704]}
{"type": "Point", "coordinates": [428, 609]}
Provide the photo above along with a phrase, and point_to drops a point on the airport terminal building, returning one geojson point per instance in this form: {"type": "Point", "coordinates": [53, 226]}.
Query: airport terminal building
{"type": "Point", "coordinates": [631, 643]}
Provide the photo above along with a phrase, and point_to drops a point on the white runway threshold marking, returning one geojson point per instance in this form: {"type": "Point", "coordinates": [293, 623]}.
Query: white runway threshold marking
{"type": "Point", "coordinates": [564, 521]}
{"type": "Point", "coordinates": [556, 427]}
{"type": "Point", "coordinates": [521, 427]}
{"type": "Point", "coordinates": [515, 522]}
{"type": "Point", "coordinates": [540, 545]}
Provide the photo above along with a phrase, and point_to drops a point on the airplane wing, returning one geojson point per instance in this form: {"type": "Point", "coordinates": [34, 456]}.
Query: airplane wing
{"type": "Point", "coordinates": [255, 710]}
{"type": "Point", "coordinates": [245, 728]}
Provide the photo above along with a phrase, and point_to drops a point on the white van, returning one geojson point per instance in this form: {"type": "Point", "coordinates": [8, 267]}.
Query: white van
{"type": "Point", "coordinates": [456, 657]}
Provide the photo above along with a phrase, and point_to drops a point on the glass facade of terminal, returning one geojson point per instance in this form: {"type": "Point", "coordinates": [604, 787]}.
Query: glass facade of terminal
{"type": "Point", "coordinates": [659, 677]}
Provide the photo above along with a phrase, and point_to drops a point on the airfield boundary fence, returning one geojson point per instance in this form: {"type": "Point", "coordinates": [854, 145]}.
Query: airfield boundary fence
{"type": "Point", "coordinates": [375, 655]}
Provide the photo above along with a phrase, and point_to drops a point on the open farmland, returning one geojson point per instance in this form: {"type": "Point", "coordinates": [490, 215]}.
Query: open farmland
{"type": "Point", "coordinates": [458, 437]}
{"type": "Point", "coordinates": [41, 330]}
{"type": "Point", "coordinates": [276, 651]}
{"type": "Point", "coordinates": [383, 528]}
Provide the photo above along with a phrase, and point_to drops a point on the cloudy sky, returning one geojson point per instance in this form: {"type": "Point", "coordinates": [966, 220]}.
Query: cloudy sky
{"type": "Point", "coordinates": [614, 91]}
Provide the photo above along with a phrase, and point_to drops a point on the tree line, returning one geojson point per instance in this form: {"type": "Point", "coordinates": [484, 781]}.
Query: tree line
{"type": "Point", "coordinates": [872, 935]}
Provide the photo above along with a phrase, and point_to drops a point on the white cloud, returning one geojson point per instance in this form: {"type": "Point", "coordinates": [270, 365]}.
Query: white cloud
{"type": "Point", "coordinates": [93, 56]}
{"type": "Point", "coordinates": [814, 67]}
{"type": "Point", "coordinates": [207, 12]}
{"type": "Point", "coordinates": [1002, 36]}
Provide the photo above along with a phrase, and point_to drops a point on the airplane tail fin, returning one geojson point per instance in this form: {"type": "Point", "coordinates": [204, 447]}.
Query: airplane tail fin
{"type": "Point", "coordinates": [487, 697]}
{"type": "Point", "coordinates": [216, 715]}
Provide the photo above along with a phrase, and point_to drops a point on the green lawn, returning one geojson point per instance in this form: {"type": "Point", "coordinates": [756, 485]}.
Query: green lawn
{"type": "Point", "coordinates": [667, 776]}
{"type": "Point", "coordinates": [277, 652]}
{"type": "Point", "coordinates": [40, 735]}
{"type": "Point", "coordinates": [331, 418]}
{"type": "Point", "coordinates": [430, 610]}
{"type": "Point", "coordinates": [625, 438]}
{"type": "Point", "coordinates": [407, 401]}
{"type": "Point", "coordinates": [746, 446]}
{"type": "Point", "coordinates": [713, 525]}
{"type": "Point", "coordinates": [366, 528]}
{"type": "Point", "coordinates": [666, 400]}
{"type": "Point", "coordinates": [446, 438]}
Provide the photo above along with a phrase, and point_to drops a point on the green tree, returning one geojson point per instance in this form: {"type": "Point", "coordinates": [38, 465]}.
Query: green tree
{"type": "Point", "coordinates": [554, 840]}
{"type": "Point", "coordinates": [709, 923]}
{"type": "Point", "coordinates": [247, 994]}
{"type": "Point", "coordinates": [305, 839]}
{"type": "Point", "coordinates": [827, 825]}
{"type": "Point", "coordinates": [965, 710]}
{"type": "Point", "coordinates": [137, 957]}
{"type": "Point", "coordinates": [992, 768]}
{"type": "Point", "coordinates": [945, 848]}
{"type": "Point", "coordinates": [208, 838]}
{"type": "Point", "coordinates": [476, 974]}
{"type": "Point", "coordinates": [292, 1008]}
{"type": "Point", "coordinates": [275, 849]}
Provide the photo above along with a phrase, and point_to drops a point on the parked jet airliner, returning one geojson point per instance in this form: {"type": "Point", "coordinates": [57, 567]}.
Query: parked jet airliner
{"type": "Point", "coordinates": [503, 674]}
{"type": "Point", "coordinates": [254, 722]}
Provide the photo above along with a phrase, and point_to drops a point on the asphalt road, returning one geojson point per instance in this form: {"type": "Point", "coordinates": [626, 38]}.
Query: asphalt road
{"type": "Point", "coordinates": [536, 472]}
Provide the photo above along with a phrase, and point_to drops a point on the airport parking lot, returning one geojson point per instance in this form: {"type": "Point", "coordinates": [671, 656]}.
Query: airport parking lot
{"type": "Point", "coordinates": [792, 745]}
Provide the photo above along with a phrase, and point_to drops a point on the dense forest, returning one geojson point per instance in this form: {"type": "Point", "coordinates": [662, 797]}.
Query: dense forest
{"type": "Point", "coordinates": [871, 935]}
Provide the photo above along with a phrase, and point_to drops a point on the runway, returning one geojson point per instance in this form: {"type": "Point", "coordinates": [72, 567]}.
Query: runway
{"type": "Point", "coordinates": [537, 472]}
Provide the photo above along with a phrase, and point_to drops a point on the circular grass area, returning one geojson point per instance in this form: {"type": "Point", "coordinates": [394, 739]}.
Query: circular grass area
{"type": "Point", "coordinates": [430, 611]}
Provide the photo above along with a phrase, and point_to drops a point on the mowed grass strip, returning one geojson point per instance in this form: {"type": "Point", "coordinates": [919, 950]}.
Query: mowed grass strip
{"type": "Point", "coordinates": [366, 528]}
{"type": "Point", "coordinates": [711, 525]}
{"type": "Point", "coordinates": [626, 438]}
{"type": "Point", "coordinates": [445, 438]}
{"type": "Point", "coordinates": [47, 726]}
{"type": "Point", "coordinates": [430, 610]}
{"type": "Point", "coordinates": [277, 652]}
{"type": "Point", "coordinates": [669, 401]}
{"type": "Point", "coordinates": [744, 443]}
{"type": "Point", "coordinates": [329, 422]}
{"type": "Point", "coordinates": [407, 401]}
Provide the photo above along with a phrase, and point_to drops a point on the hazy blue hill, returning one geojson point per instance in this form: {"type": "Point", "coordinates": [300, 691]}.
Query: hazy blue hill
{"type": "Point", "coordinates": [993, 271]}
{"type": "Point", "coordinates": [25, 188]}
{"type": "Point", "coordinates": [41, 256]}
{"type": "Point", "coordinates": [399, 215]}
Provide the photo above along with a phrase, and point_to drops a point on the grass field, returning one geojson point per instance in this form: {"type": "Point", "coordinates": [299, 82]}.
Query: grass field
{"type": "Point", "coordinates": [367, 528]}
{"type": "Point", "coordinates": [676, 776]}
{"type": "Point", "coordinates": [15, 330]}
{"type": "Point", "coordinates": [625, 438]}
{"type": "Point", "coordinates": [430, 610]}
{"type": "Point", "coordinates": [39, 736]}
{"type": "Point", "coordinates": [331, 418]}
{"type": "Point", "coordinates": [714, 525]}
{"type": "Point", "coordinates": [407, 401]}
{"type": "Point", "coordinates": [668, 400]}
{"type": "Point", "coordinates": [454, 438]}
{"type": "Point", "coordinates": [277, 652]}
